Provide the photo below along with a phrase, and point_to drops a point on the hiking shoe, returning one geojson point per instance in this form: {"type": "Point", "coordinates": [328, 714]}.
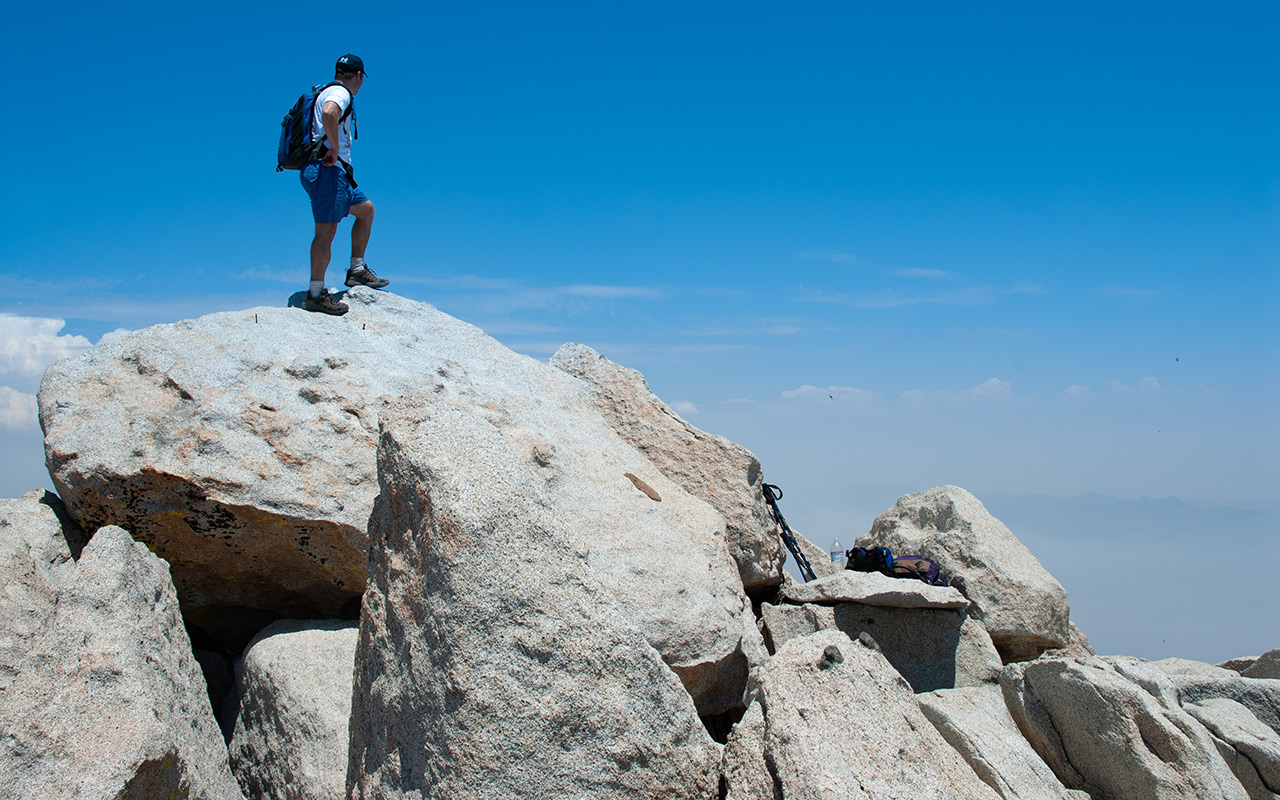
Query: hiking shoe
{"type": "Point", "coordinates": [325, 304]}
{"type": "Point", "coordinates": [363, 276]}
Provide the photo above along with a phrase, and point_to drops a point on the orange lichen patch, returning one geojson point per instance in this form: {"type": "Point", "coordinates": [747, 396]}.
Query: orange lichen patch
{"type": "Point", "coordinates": [644, 487]}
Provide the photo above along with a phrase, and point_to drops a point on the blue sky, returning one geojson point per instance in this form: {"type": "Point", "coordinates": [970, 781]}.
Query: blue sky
{"type": "Point", "coordinates": [1022, 249]}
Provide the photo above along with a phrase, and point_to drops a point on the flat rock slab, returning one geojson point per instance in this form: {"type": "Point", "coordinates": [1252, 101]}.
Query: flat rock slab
{"type": "Point", "coordinates": [874, 589]}
{"type": "Point", "coordinates": [932, 648]}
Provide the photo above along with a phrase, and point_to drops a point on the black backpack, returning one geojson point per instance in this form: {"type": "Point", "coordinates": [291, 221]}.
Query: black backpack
{"type": "Point", "coordinates": [869, 559]}
{"type": "Point", "coordinates": [297, 148]}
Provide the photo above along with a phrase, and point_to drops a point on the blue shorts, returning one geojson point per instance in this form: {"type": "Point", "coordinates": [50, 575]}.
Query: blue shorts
{"type": "Point", "coordinates": [332, 195]}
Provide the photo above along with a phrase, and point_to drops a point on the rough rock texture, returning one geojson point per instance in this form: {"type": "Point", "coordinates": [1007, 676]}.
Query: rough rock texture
{"type": "Point", "coordinates": [976, 722]}
{"type": "Point", "coordinates": [746, 773]}
{"type": "Point", "coordinates": [932, 648]}
{"type": "Point", "coordinates": [873, 589]}
{"type": "Point", "coordinates": [38, 548]}
{"type": "Point", "coordinates": [103, 697]}
{"type": "Point", "coordinates": [707, 466]}
{"type": "Point", "coordinates": [1251, 749]}
{"type": "Point", "coordinates": [496, 656]}
{"type": "Point", "coordinates": [1267, 666]}
{"type": "Point", "coordinates": [1198, 681]}
{"type": "Point", "coordinates": [840, 723]}
{"type": "Point", "coordinates": [1238, 664]}
{"type": "Point", "coordinates": [1113, 728]}
{"type": "Point", "coordinates": [1022, 606]}
{"type": "Point", "coordinates": [291, 732]}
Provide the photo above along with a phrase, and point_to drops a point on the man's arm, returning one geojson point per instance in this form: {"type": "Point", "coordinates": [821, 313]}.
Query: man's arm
{"type": "Point", "coordinates": [330, 115]}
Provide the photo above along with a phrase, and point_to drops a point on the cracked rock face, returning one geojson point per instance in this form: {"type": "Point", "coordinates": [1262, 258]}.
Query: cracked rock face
{"type": "Point", "coordinates": [1113, 728]}
{"type": "Point", "coordinates": [102, 696]}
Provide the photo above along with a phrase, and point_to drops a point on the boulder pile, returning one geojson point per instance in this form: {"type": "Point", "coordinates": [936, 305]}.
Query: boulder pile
{"type": "Point", "coordinates": [383, 556]}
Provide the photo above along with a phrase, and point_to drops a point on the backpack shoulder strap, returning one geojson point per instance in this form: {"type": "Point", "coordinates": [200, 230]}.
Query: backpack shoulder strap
{"type": "Point", "coordinates": [351, 106]}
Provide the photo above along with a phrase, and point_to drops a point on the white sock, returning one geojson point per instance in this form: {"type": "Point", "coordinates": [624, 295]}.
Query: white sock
{"type": "Point", "coordinates": [316, 288]}
{"type": "Point", "coordinates": [357, 263]}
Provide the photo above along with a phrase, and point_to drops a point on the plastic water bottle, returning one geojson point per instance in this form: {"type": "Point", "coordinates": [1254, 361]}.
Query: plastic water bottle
{"type": "Point", "coordinates": [837, 554]}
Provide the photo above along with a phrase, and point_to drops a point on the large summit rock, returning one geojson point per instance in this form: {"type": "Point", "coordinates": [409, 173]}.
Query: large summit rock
{"type": "Point", "coordinates": [1022, 606]}
{"type": "Point", "coordinates": [241, 447]}
{"type": "Point", "coordinates": [711, 467]}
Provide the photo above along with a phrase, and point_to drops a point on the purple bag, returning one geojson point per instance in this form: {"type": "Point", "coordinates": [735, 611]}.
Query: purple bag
{"type": "Point", "coordinates": [919, 567]}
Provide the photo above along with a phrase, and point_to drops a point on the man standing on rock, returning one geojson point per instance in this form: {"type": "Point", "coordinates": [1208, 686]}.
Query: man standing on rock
{"type": "Point", "coordinates": [331, 185]}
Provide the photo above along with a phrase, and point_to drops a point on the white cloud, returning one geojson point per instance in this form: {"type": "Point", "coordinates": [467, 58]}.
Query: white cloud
{"type": "Point", "coordinates": [991, 389]}
{"type": "Point", "coordinates": [684, 407]}
{"type": "Point", "coordinates": [17, 410]}
{"type": "Point", "coordinates": [1148, 385]}
{"type": "Point", "coordinates": [29, 344]}
{"type": "Point", "coordinates": [1077, 392]}
{"type": "Point", "coordinates": [612, 292]}
{"type": "Point", "coordinates": [112, 335]}
{"type": "Point", "coordinates": [832, 393]}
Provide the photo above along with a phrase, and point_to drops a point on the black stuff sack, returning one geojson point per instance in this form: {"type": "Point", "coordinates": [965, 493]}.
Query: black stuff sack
{"type": "Point", "coordinates": [869, 559]}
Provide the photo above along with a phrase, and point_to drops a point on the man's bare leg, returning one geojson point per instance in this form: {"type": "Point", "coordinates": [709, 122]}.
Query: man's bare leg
{"type": "Point", "coordinates": [322, 248]}
{"type": "Point", "coordinates": [361, 228]}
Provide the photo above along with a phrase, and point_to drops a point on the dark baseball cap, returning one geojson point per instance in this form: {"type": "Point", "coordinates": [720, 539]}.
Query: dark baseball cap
{"type": "Point", "coordinates": [349, 63]}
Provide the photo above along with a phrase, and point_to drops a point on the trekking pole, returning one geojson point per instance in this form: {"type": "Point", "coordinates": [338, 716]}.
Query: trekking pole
{"type": "Point", "coordinates": [772, 494]}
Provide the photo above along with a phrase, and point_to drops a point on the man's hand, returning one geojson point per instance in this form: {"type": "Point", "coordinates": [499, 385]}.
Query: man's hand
{"type": "Point", "coordinates": [330, 157]}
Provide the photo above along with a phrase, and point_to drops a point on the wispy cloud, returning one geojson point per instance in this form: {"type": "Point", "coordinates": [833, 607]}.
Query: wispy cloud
{"type": "Point", "coordinates": [932, 274]}
{"type": "Point", "coordinates": [29, 344]}
{"type": "Point", "coordinates": [832, 393]}
{"type": "Point", "coordinates": [612, 292]}
{"type": "Point", "coordinates": [17, 410]}
{"type": "Point", "coordinates": [992, 390]}
{"type": "Point", "coordinates": [293, 277]}
{"type": "Point", "coordinates": [824, 255]}
{"type": "Point", "coordinates": [684, 407]}
{"type": "Point", "coordinates": [897, 298]}
{"type": "Point", "coordinates": [769, 326]}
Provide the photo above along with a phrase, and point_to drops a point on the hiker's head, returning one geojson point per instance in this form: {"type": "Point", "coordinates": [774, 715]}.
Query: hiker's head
{"type": "Point", "coordinates": [349, 70]}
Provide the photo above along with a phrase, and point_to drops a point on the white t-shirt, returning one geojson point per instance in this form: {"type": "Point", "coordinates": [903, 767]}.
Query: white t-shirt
{"type": "Point", "coordinates": [342, 96]}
